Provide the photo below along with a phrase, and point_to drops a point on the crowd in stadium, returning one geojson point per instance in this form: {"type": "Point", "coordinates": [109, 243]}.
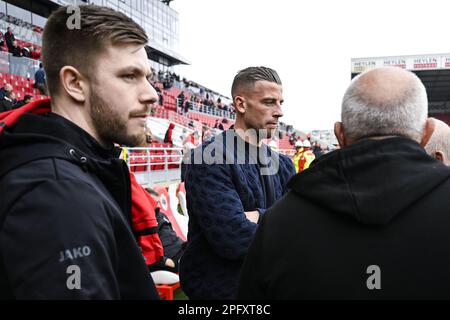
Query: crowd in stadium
{"type": "Point", "coordinates": [9, 44]}
{"type": "Point", "coordinates": [75, 223]}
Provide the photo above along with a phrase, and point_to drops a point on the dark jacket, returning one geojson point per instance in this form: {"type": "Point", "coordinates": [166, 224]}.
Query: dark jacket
{"type": "Point", "coordinates": [39, 76]}
{"type": "Point", "coordinates": [172, 244]}
{"type": "Point", "coordinates": [219, 233]}
{"type": "Point", "coordinates": [9, 38]}
{"type": "Point", "coordinates": [5, 105]}
{"type": "Point", "coordinates": [376, 204]}
{"type": "Point", "coordinates": [15, 51]}
{"type": "Point", "coordinates": [65, 201]}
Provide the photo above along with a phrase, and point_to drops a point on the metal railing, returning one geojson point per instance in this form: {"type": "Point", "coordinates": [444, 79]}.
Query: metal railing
{"type": "Point", "coordinates": [209, 110]}
{"type": "Point", "coordinates": [141, 162]}
{"type": "Point", "coordinates": [19, 66]}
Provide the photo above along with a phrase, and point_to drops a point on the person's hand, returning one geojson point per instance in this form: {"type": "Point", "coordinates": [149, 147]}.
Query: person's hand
{"type": "Point", "coordinates": [169, 263]}
{"type": "Point", "coordinates": [253, 216]}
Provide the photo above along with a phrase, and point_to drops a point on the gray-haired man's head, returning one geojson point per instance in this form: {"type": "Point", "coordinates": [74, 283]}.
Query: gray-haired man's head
{"type": "Point", "coordinates": [384, 102]}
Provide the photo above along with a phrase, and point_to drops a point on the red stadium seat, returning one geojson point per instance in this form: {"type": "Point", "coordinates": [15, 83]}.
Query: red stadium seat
{"type": "Point", "coordinates": [166, 290]}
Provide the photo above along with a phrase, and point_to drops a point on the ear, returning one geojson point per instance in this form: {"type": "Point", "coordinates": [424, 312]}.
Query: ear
{"type": "Point", "coordinates": [339, 132]}
{"type": "Point", "coordinates": [427, 132]}
{"type": "Point", "coordinates": [73, 83]}
{"type": "Point", "coordinates": [239, 104]}
{"type": "Point", "coordinates": [438, 155]}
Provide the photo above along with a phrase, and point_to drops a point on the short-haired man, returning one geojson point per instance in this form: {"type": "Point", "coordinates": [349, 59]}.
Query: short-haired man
{"type": "Point", "coordinates": [65, 204]}
{"type": "Point", "coordinates": [368, 221]}
{"type": "Point", "coordinates": [439, 145]}
{"type": "Point", "coordinates": [232, 185]}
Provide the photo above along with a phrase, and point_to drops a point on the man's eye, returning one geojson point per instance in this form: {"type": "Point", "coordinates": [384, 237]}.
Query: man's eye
{"type": "Point", "coordinates": [129, 77]}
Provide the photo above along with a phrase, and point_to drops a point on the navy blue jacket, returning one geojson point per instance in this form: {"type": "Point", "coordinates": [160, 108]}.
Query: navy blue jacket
{"type": "Point", "coordinates": [219, 233]}
{"type": "Point", "coordinates": [65, 204]}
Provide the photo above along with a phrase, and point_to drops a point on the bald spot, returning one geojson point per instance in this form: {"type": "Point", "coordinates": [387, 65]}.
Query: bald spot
{"type": "Point", "coordinates": [441, 128]}
{"type": "Point", "coordinates": [384, 86]}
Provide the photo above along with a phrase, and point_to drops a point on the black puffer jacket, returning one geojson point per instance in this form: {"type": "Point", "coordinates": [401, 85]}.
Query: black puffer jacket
{"type": "Point", "coordinates": [376, 204]}
{"type": "Point", "coordinates": [65, 216]}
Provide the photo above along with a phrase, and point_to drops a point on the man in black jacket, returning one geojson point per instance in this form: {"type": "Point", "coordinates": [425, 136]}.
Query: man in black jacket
{"type": "Point", "coordinates": [65, 208]}
{"type": "Point", "coordinates": [369, 221]}
{"type": "Point", "coordinates": [9, 38]}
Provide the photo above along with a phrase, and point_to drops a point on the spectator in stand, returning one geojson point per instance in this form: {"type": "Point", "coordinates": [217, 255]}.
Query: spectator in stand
{"type": "Point", "coordinates": [2, 41]}
{"type": "Point", "coordinates": [167, 84]}
{"type": "Point", "coordinates": [160, 96]}
{"type": "Point", "coordinates": [183, 135]}
{"type": "Point", "coordinates": [39, 80]}
{"type": "Point", "coordinates": [218, 125]}
{"type": "Point", "coordinates": [15, 50]}
{"type": "Point", "coordinates": [439, 145]}
{"type": "Point", "coordinates": [298, 154]}
{"type": "Point", "coordinates": [168, 138]}
{"type": "Point", "coordinates": [7, 102]}
{"type": "Point", "coordinates": [9, 38]}
{"type": "Point", "coordinates": [154, 77]}
{"type": "Point", "coordinates": [227, 198]}
{"type": "Point", "coordinates": [188, 105]}
{"type": "Point", "coordinates": [148, 135]}
{"type": "Point", "coordinates": [15, 64]}
{"type": "Point", "coordinates": [13, 97]}
{"type": "Point", "coordinates": [368, 221]}
{"type": "Point", "coordinates": [206, 133]}
{"type": "Point", "coordinates": [306, 156]}
{"type": "Point", "coordinates": [26, 99]}
{"type": "Point", "coordinates": [173, 246]}
{"type": "Point", "coordinates": [293, 139]}
{"type": "Point", "coordinates": [317, 150]}
{"type": "Point", "coordinates": [180, 102]}
{"type": "Point", "coordinates": [5, 90]}
{"type": "Point", "coordinates": [72, 234]}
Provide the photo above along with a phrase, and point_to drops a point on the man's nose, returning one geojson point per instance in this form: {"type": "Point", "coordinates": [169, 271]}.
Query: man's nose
{"type": "Point", "coordinates": [149, 94]}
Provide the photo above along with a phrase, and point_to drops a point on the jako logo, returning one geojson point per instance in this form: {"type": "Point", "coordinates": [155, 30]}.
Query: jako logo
{"type": "Point", "coordinates": [74, 253]}
{"type": "Point", "coordinates": [374, 281]}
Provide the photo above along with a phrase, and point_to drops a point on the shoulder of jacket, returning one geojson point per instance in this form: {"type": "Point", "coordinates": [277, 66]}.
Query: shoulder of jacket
{"type": "Point", "coordinates": [45, 169]}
